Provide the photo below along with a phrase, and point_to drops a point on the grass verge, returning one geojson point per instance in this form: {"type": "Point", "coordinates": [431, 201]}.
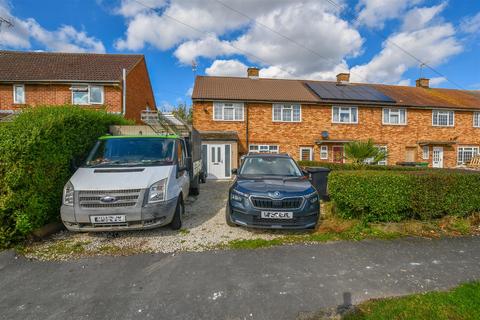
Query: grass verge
{"type": "Point", "coordinates": [461, 303]}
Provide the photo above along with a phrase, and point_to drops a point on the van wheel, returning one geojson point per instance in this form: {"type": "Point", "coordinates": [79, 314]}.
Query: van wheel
{"type": "Point", "coordinates": [176, 223]}
{"type": "Point", "coordinates": [228, 218]}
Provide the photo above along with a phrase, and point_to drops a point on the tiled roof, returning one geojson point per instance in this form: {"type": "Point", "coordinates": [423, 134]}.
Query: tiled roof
{"type": "Point", "coordinates": [283, 90]}
{"type": "Point", "coordinates": [55, 66]}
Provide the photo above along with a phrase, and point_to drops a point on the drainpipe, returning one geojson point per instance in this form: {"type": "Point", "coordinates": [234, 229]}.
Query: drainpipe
{"type": "Point", "coordinates": [246, 130]}
{"type": "Point", "coordinates": [124, 91]}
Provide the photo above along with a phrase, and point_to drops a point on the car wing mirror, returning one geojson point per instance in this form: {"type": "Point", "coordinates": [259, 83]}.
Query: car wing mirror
{"type": "Point", "coordinates": [235, 171]}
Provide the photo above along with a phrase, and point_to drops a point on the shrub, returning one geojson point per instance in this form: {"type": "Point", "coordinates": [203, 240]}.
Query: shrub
{"type": "Point", "coordinates": [351, 166]}
{"type": "Point", "coordinates": [394, 195]}
{"type": "Point", "coordinates": [36, 151]}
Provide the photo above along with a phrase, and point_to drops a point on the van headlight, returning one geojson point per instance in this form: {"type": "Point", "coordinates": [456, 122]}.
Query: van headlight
{"type": "Point", "coordinates": [68, 193]}
{"type": "Point", "coordinates": [157, 191]}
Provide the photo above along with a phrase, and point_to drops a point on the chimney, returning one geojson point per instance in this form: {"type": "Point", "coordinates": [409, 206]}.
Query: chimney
{"type": "Point", "coordinates": [253, 72]}
{"type": "Point", "coordinates": [422, 83]}
{"type": "Point", "coordinates": [343, 77]}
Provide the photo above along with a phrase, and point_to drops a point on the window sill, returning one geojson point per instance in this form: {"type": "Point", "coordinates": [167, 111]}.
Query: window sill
{"type": "Point", "coordinates": [395, 124]}
{"type": "Point", "coordinates": [218, 120]}
{"type": "Point", "coordinates": [345, 123]}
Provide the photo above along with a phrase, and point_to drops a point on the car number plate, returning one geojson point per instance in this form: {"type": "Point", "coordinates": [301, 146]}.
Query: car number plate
{"type": "Point", "coordinates": [276, 215]}
{"type": "Point", "coordinates": [107, 219]}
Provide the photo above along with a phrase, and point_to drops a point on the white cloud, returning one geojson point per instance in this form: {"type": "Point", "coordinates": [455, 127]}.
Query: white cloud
{"type": "Point", "coordinates": [436, 81]}
{"type": "Point", "coordinates": [130, 8]}
{"type": "Point", "coordinates": [418, 18]}
{"type": "Point", "coordinates": [374, 13]}
{"type": "Point", "coordinates": [210, 47]}
{"type": "Point", "coordinates": [471, 24]}
{"type": "Point", "coordinates": [23, 32]}
{"type": "Point", "coordinates": [233, 68]}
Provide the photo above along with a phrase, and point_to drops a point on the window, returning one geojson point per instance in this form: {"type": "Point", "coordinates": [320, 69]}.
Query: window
{"type": "Point", "coordinates": [181, 155]}
{"type": "Point", "coordinates": [425, 152]}
{"type": "Point", "coordinates": [84, 95]}
{"type": "Point", "coordinates": [442, 118]}
{"type": "Point", "coordinates": [18, 94]}
{"type": "Point", "coordinates": [344, 114]}
{"type": "Point", "coordinates": [382, 162]}
{"type": "Point", "coordinates": [227, 111]}
{"type": "Point", "coordinates": [465, 154]}
{"type": "Point", "coordinates": [324, 152]}
{"type": "Point", "coordinates": [287, 113]}
{"type": "Point", "coordinates": [263, 148]}
{"type": "Point", "coordinates": [394, 116]}
{"type": "Point", "coordinates": [476, 119]}
{"type": "Point", "coordinates": [306, 153]}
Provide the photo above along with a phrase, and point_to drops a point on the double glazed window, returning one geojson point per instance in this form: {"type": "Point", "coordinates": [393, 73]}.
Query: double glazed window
{"type": "Point", "coordinates": [223, 111]}
{"type": "Point", "coordinates": [18, 94]}
{"type": "Point", "coordinates": [382, 162]}
{"type": "Point", "coordinates": [394, 116]}
{"type": "Point", "coordinates": [476, 119]}
{"type": "Point", "coordinates": [425, 152]}
{"type": "Point", "coordinates": [465, 154]}
{"type": "Point", "coordinates": [263, 148]}
{"type": "Point", "coordinates": [84, 95]}
{"type": "Point", "coordinates": [306, 153]}
{"type": "Point", "coordinates": [324, 152]}
{"type": "Point", "coordinates": [344, 114]}
{"type": "Point", "coordinates": [441, 118]}
{"type": "Point", "coordinates": [287, 113]}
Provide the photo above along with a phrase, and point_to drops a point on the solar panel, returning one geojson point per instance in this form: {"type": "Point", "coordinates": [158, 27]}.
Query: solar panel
{"type": "Point", "coordinates": [334, 91]}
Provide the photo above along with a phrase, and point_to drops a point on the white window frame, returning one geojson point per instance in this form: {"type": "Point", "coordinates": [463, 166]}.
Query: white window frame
{"type": "Point", "coordinates": [476, 119]}
{"type": "Point", "coordinates": [15, 101]}
{"type": "Point", "coordinates": [284, 106]}
{"type": "Point", "coordinates": [264, 148]}
{"type": "Point", "coordinates": [233, 106]}
{"type": "Point", "coordinates": [449, 113]}
{"type": "Point", "coordinates": [461, 148]}
{"type": "Point", "coordinates": [426, 152]}
{"type": "Point", "coordinates": [89, 102]}
{"type": "Point", "coordinates": [324, 152]}
{"type": "Point", "coordinates": [310, 150]}
{"type": "Point", "coordinates": [394, 111]}
{"type": "Point", "coordinates": [382, 162]}
{"type": "Point", "coordinates": [343, 109]}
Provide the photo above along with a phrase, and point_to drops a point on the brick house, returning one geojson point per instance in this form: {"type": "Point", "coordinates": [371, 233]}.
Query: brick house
{"type": "Point", "coordinates": [117, 82]}
{"type": "Point", "coordinates": [312, 120]}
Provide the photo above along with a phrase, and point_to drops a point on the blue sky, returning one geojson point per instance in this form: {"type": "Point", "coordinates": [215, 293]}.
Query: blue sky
{"type": "Point", "coordinates": [313, 39]}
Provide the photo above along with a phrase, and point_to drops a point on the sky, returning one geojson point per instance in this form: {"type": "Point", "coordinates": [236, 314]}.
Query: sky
{"type": "Point", "coordinates": [379, 41]}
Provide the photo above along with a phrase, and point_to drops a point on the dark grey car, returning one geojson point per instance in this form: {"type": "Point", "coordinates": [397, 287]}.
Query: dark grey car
{"type": "Point", "coordinates": [271, 191]}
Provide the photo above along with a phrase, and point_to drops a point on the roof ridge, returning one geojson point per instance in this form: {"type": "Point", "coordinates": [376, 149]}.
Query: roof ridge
{"type": "Point", "coordinates": [71, 53]}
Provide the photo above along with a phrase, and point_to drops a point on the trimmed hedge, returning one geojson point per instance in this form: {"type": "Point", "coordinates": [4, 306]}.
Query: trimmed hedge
{"type": "Point", "coordinates": [36, 151]}
{"type": "Point", "coordinates": [394, 196]}
{"type": "Point", "coordinates": [350, 166]}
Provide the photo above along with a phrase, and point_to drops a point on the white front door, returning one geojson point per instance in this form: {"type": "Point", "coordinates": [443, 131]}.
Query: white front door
{"type": "Point", "coordinates": [437, 157]}
{"type": "Point", "coordinates": [216, 161]}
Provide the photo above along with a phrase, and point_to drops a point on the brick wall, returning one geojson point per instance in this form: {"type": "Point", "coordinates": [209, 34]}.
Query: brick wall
{"type": "Point", "coordinates": [139, 91]}
{"type": "Point", "coordinates": [317, 118]}
{"type": "Point", "coordinates": [55, 94]}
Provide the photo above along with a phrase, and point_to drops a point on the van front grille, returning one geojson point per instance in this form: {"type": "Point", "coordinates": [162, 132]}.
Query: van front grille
{"type": "Point", "coordinates": [108, 198]}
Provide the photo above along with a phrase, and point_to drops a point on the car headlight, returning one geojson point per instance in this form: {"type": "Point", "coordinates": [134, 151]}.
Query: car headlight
{"type": "Point", "coordinates": [236, 195]}
{"type": "Point", "coordinates": [313, 197]}
{"type": "Point", "coordinates": [157, 191]}
{"type": "Point", "coordinates": [68, 193]}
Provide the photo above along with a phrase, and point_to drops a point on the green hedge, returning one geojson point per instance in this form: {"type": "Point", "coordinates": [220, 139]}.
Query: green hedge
{"type": "Point", "coordinates": [394, 196]}
{"type": "Point", "coordinates": [349, 166]}
{"type": "Point", "coordinates": [36, 151]}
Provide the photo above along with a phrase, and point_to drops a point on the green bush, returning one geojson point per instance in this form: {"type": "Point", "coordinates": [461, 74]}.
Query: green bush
{"type": "Point", "coordinates": [351, 166]}
{"type": "Point", "coordinates": [36, 151]}
{"type": "Point", "coordinates": [394, 195]}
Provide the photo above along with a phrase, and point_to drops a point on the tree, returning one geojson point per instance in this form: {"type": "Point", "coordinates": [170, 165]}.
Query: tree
{"type": "Point", "coordinates": [363, 152]}
{"type": "Point", "coordinates": [183, 112]}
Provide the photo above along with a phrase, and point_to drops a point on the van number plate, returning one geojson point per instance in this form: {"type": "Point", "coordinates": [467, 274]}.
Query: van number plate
{"type": "Point", "coordinates": [276, 215]}
{"type": "Point", "coordinates": [107, 219]}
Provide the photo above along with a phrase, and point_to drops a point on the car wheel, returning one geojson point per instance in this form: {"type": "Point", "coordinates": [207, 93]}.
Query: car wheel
{"type": "Point", "coordinates": [176, 223]}
{"type": "Point", "coordinates": [228, 217]}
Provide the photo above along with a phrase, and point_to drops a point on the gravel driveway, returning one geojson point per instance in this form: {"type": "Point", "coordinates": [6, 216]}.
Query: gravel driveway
{"type": "Point", "coordinates": [203, 227]}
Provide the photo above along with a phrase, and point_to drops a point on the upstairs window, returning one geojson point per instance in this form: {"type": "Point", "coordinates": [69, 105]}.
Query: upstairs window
{"type": "Point", "coordinates": [394, 116]}
{"type": "Point", "coordinates": [84, 95]}
{"type": "Point", "coordinates": [476, 119]}
{"type": "Point", "coordinates": [441, 118]}
{"type": "Point", "coordinates": [223, 111]}
{"type": "Point", "coordinates": [263, 148]}
{"type": "Point", "coordinates": [287, 113]}
{"type": "Point", "coordinates": [18, 94]}
{"type": "Point", "coordinates": [344, 114]}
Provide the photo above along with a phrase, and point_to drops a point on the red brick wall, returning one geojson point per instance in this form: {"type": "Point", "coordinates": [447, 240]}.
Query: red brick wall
{"type": "Point", "coordinates": [317, 118]}
{"type": "Point", "coordinates": [139, 91]}
{"type": "Point", "coordinates": [55, 94]}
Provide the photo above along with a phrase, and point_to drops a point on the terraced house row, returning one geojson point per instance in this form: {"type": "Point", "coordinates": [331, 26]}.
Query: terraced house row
{"type": "Point", "coordinates": [312, 120]}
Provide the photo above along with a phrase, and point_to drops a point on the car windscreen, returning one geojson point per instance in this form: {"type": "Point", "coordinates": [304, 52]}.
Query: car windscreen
{"type": "Point", "coordinates": [131, 152]}
{"type": "Point", "coordinates": [270, 166]}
